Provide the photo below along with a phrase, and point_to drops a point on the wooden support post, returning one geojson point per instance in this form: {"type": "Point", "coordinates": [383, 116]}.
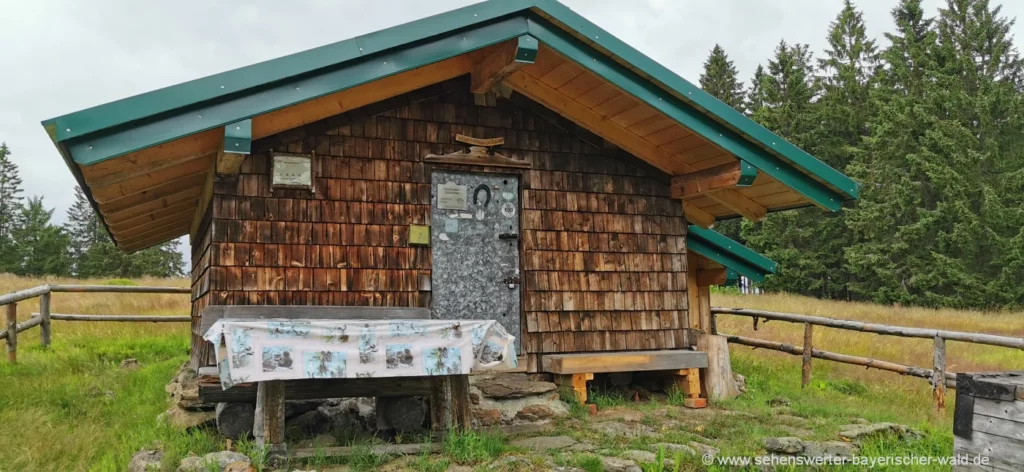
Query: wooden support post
{"type": "Point", "coordinates": [718, 379]}
{"type": "Point", "coordinates": [449, 402]}
{"type": "Point", "coordinates": [939, 375]}
{"type": "Point", "coordinates": [269, 424]}
{"type": "Point", "coordinates": [578, 384]}
{"type": "Point", "coordinates": [688, 381]}
{"type": "Point", "coordinates": [44, 313]}
{"type": "Point", "coordinates": [12, 332]}
{"type": "Point", "coordinates": [805, 379]}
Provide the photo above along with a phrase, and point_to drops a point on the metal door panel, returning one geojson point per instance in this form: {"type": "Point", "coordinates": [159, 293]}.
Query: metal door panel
{"type": "Point", "coordinates": [474, 238]}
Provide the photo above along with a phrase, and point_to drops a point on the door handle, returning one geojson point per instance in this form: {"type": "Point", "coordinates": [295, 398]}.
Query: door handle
{"type": "Point", "coordinates": [508, 236]}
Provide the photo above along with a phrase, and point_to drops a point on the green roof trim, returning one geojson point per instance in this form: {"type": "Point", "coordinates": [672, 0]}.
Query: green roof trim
{"type": "Point", "coordinates": [731, 254]}
{"type": "Point", "coordinates": [238, 137]}
{"type": "Point", "coordinates": [225, 84]}
{"type": "Point", "coordinates": [107, 131]}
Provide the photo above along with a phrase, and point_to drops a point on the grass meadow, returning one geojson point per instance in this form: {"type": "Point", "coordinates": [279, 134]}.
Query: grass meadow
{"type": "Point", "coordinates": [909, 392]}
{"type": "Point", "coordinates": [72, 408]}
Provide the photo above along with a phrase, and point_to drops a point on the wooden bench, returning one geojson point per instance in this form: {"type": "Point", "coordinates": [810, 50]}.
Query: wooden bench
{"type": "Point", "coordinates": [448, 395]}
{"type": "Point", "coordinates": [574, 370]}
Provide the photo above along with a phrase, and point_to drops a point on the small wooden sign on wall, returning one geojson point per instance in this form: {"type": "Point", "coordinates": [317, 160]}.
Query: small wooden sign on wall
{"type": "Point", "coordinates": [292, 171]}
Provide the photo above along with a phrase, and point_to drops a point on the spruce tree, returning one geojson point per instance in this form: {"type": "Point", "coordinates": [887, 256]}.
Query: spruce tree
{"type": "Point", "coordinates": [845, 75]}
{"type": "Point", "coordinates": [95, 254]}
{"type": "Point", "coordinates": [839, 121]}
{"type": "Point", "coordinates": [938, 224]}
{"type": "Point", "coordinates": [755, 98]}
{"type": "Point", "coordinates": [10, 207]}
{"type": "Point", "coordinates": [42, 247]}
{"type": "Point", "coordinates": [886, 254]}
{"type": "Point", "coordinates": [783, 99]}
{"type": "Point", "coordinates": [721, 80]}
{"type": "Point", "coordinates": [82, 227]}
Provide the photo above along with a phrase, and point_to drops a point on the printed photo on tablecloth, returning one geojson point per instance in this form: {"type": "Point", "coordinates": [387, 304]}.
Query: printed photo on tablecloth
{"type": "Point", "coordinates": [399, 356]}
{"type": "Point", "coordinates": [336, 334]}
{"type": "Point", "coordinates": [289, 329]}
{"type": "Point", "coordinates": [279, 349]}
{"type": "Point", "coordinates": [367, 345]}
{"type": "Point", "coordinates": [324, 364]}
{"type": "Point", "coordinates": [241, 348]}
{"type": "Point", "coordinates": [277, 358]}
{"type": "Point", "coordinates": [452, 331]}
{"type": "Point", "coordinates": [491, 353]}
{"type": "Point", "coordinates": [398, 329]}
{"type": "Point", "coordinates": [442, 361]}
{"type": "Point", "coordinates": [477, 336]}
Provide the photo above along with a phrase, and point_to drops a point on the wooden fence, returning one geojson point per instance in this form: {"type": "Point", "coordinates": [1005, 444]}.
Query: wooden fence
{"type": "Point", "coordinates": [937, 376]}
{"type": "Point", "coordinates": [44, 317]}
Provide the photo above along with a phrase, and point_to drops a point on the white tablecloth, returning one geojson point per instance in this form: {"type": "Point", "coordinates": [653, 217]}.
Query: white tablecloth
{"type": "Point", "coordinates": [281, 349]}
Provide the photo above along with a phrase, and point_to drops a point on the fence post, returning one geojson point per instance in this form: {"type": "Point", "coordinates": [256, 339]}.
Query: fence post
{"type": "Point", "coordinates": [808, 349]}
{"type": "Point", "coordinates": [12, 332]}
{"type": "Point", "coordinates": [939, 375]}
{"type": "Point", "coordinates": [44, 312]}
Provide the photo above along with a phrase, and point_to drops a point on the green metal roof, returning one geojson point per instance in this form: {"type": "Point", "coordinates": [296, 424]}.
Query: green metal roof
{"type": "Point", "coordinates": [731, 254]}
{"type": "Point", "coordinates": [114, 129]}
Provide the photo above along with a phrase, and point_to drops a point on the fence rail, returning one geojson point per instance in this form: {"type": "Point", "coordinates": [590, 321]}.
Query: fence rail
{"type": "Point", "coordinates": [937, 376]}
{"type": "Point", "coordinates": [44, 317]}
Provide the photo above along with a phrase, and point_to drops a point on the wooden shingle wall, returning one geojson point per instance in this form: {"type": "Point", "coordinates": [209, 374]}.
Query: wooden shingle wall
{"type": "Point", "coordinates": [603, 245]}
{"type": "Point", "coordinates": [200, 290]}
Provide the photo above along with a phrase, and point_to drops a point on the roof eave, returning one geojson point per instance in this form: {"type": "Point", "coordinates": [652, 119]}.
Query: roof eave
{"type": "Point", "coordinates": [730, 254]}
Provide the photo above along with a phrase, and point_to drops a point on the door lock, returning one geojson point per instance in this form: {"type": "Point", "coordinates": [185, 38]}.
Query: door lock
{"type": "Point", "coordinates": [511, 281]}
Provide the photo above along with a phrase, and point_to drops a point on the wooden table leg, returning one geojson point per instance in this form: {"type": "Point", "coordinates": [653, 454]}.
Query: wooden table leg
{"type": "Point", "coordinates": [269, 425]}
{"type": "Point", "coordinates": [578, 384]}
{"type": "Point", "coordinates": [688, 380]}
{"type": "Point", "coordinates": [449, 402]}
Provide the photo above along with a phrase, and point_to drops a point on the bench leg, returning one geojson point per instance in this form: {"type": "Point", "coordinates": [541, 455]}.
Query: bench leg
{"type": "Point", "coordinates": [269, 424]}
{"type": "Point", "coordinates": [449, 402]}
{"type": "Point", "coordinates": [578, 383]}
{"type": "Point", "coordinates": [688, 381]}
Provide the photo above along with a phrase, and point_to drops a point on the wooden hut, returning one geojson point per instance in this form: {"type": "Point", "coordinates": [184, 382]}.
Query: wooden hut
{"type": "Point", "coordinates": [507, 160]}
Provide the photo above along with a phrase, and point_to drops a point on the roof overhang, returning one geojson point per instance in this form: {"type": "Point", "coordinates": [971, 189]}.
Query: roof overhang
{"type": "Point", "coordinates": [145, 160]}
{"type": "Point", "coordinates": [730, 254]}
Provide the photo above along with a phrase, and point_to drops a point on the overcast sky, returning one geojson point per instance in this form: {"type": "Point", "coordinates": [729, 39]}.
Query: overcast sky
{"type": "Point", "coordinates": [60, 56]}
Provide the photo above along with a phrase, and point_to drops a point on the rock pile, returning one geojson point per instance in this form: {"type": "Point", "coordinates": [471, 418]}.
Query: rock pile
{"type": "Point", "coordinates": [186, 410]}
{"type": "Point", "coordinates": [503, 399]}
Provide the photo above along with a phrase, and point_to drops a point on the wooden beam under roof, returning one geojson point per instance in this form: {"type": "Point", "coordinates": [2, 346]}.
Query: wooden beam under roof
{"type": "Point", "coordinates": [697, 216]}
{"type": "Point", "coordinates": [142, 170]}
{"type": "Point", "coordinates": [152, 206]}
{"type": "Point", "coordinates": [733, 174]}
{"type": "Point", "coordinates": [162, 223]}
{"type": "Point", "coordinates": [140, 244]}
{"type": "Point", "coordinates": [597, 124]}
{"type": "Point", "coordinates": [196, 145]}
{"type": "Point", "coordinates": [506, 59]}
{"type": "Point", "coordinates": [147, 181]}
{"type": "Point", "coordinates": [735, 201]}
{"type": "Point", "coordinates": [165, 189]}
{"type": "Point", "coordinates": [356, 97]}
{"type": "Point", "coordinates": [717, 276]}
{"type": "Point", "coordinates": [187, 205]}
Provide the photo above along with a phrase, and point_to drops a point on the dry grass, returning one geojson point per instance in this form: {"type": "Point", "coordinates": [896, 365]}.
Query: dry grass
{"type": "Point", "coordinates": [961, 357]}
{"type": "Point", "coordinates": [102, 304]}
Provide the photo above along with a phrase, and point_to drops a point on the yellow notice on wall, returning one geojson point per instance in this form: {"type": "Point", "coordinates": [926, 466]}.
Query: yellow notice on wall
{"type": "Point", "coordinates": [419, 235]}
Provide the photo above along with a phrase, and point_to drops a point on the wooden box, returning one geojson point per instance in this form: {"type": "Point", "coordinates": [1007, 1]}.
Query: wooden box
{"type": "Point", "coordinates": [989, 421]}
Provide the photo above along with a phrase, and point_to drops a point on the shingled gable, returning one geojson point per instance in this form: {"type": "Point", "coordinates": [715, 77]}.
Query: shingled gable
{"type": "Point", "coordinates": [147, 162]}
